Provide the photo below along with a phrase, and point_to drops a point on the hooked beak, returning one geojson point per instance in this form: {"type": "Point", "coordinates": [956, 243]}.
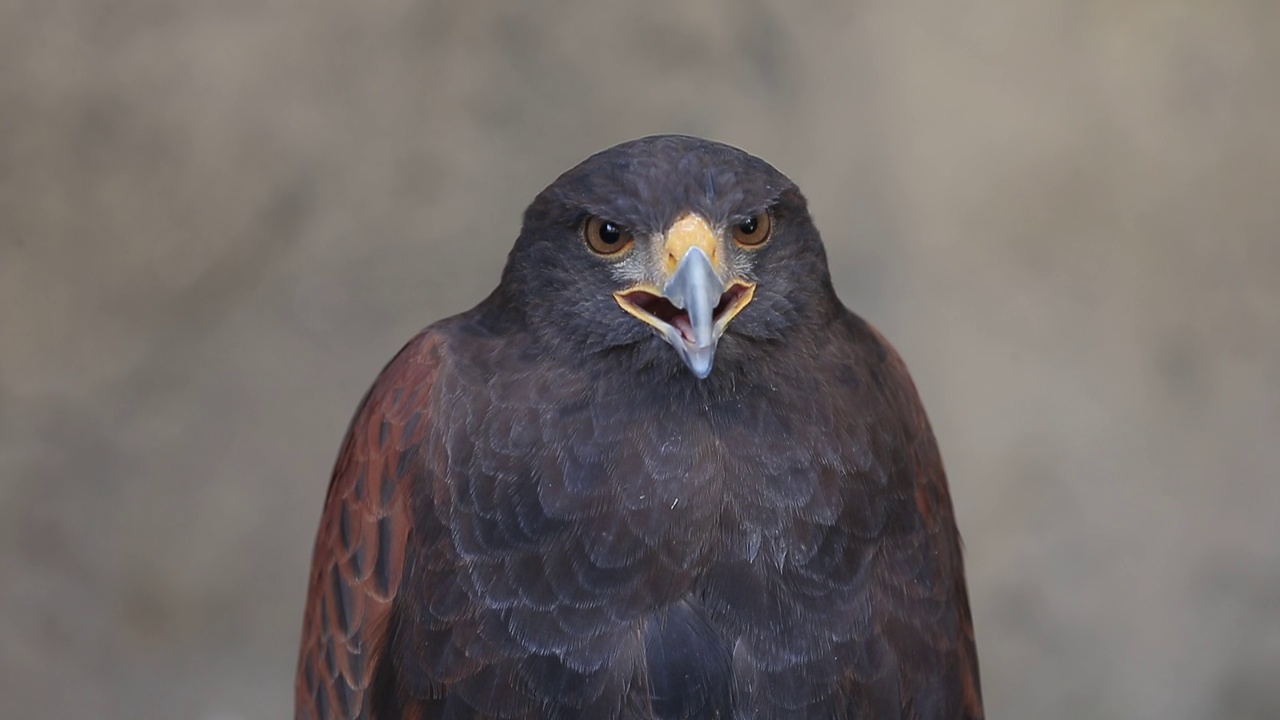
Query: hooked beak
{"type": "Point", "coordinates": [695, 304]}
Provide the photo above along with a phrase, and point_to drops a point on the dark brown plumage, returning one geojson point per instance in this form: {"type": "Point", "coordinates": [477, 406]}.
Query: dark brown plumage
{"type": "Point", "coordinates": [661, 472]}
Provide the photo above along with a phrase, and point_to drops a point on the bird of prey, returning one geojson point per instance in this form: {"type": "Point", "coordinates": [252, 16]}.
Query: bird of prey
{"type": "Point", "coordinates": [660, 472]}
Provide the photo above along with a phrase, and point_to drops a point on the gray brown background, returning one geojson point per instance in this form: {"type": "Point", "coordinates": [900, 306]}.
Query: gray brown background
{"type": "Point", "coordinates": [218, 219]}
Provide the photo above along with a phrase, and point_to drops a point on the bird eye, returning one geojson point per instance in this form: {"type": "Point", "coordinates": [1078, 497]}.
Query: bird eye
{"type": "Point", "coordinates": [605, 237]}
{"type": "Point", "coordinates": [754, 230]}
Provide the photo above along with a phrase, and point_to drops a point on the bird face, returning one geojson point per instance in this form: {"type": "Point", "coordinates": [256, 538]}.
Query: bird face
{"type": "Point", "coordinates": [673, 240]}
{"type": "Point", "coordinates": [684, 288]}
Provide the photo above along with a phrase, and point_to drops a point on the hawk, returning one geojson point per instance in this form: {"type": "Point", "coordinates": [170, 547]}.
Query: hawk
{"type": "Point", "coordinates": [660, 472]}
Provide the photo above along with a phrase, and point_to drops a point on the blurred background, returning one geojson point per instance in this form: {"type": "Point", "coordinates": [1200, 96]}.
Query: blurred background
{"type": "Point", "coordinates": [218, 220]}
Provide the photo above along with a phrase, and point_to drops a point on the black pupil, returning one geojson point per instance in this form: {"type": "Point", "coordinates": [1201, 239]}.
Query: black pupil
{"type": "Point", "coordinates": [748, 227]}
{"type": "Point", "coordinates": [610, 234]}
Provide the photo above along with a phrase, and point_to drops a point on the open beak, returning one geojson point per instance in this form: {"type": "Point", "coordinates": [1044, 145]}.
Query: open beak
{"type": "Point", "coordinates": [695, 303]}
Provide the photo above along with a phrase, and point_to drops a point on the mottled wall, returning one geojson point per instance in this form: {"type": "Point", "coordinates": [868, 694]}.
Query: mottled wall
{"type": "Point", "coordinates": [218, 219]}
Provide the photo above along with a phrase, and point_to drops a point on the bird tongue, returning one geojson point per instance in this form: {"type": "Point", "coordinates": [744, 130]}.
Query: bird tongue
{"type": "Point", "coordinates": [681, 323]}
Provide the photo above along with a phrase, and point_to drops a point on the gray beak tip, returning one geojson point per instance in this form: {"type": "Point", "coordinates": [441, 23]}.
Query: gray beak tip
{"type": "Point", "coordinates": [699, 361]}
{"type": "Point", "coordinates": [696, 288]}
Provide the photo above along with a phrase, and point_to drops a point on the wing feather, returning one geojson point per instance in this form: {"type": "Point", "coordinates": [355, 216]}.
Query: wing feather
{"type": "Point", "coordinates": [359, 556]}
{"type": "Point", "coordinates": [919, 575]}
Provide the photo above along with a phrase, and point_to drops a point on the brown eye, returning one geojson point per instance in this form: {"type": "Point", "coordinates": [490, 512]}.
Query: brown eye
{"type": "Point", "coordinates": [754, 230]}
{"type": "Point", "coordinates": [605, 237]}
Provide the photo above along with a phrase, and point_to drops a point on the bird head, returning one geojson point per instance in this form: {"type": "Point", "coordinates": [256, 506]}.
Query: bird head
{"type": "Point", "coordinates": [674, 247]}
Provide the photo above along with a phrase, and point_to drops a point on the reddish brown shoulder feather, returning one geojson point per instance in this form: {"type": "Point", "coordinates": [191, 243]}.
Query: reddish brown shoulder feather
{"type": "Point", "coordinates": [359, 554]}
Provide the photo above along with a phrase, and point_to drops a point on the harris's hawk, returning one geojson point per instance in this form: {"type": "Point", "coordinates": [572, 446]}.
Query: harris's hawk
{"type": "Point", "coordinates": [661, 472]}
